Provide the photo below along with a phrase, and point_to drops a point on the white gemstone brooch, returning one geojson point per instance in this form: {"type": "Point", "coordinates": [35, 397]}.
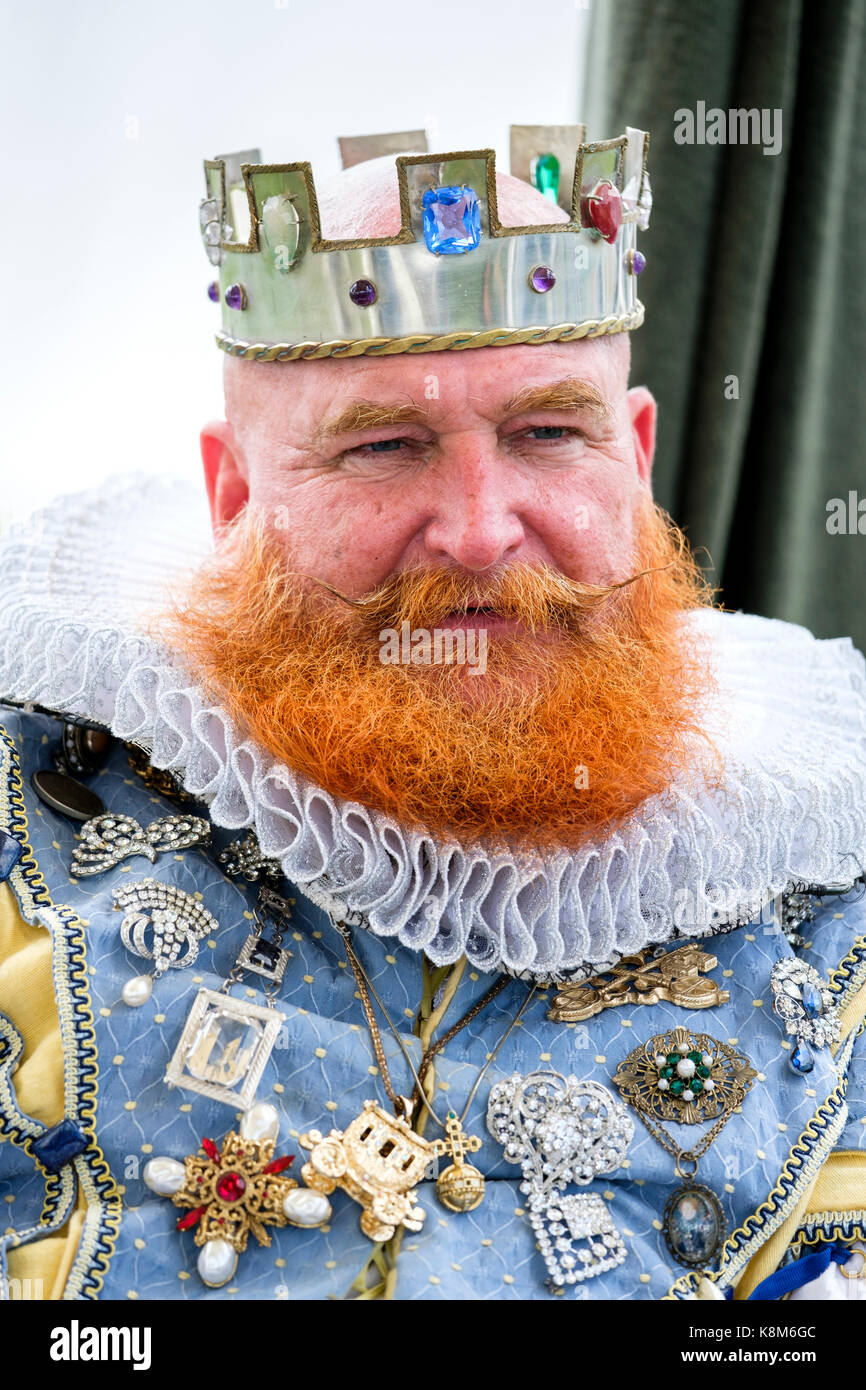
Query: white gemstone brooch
{"type": "Point", "coordinates": [807, 1006]}
{"type": "Point", "coordinates": [564, 1132]}
{"type": "Point", "coordinates": [106, 840]}
{"type": "Point", "coordinates": [175, 922]}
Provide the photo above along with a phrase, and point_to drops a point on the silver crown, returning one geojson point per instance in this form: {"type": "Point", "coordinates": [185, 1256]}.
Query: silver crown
{"type": "Point", "coordinates": [452, 276]}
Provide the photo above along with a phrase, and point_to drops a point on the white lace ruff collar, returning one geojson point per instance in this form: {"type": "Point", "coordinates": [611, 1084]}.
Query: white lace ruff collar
{"type": "Point", "coordinates": [790, 721]}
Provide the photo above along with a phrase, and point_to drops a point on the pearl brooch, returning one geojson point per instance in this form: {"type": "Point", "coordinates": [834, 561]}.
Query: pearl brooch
{"type": "Point", "coordinates": [234, 1191]}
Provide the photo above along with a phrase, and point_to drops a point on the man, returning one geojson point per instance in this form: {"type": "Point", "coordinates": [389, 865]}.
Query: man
{"type": "Point", "coordinates": [507, 769]}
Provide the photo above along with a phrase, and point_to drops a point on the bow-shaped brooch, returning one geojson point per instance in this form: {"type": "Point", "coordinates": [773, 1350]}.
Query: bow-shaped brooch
{"type": "Point", "coordinates": [107, 839]}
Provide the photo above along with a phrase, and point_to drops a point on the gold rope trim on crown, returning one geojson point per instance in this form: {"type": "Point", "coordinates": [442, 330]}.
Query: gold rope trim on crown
{"type": "Point", "coordinates": [425, 342]}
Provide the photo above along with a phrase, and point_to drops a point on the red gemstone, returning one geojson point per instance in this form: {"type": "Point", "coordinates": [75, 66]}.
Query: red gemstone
{"type": "Point", "coordinates": [211, 1150]}
{"type": "Point", "coordinates": [277, 1165]}
{"type": "Point", "coordinates": [603, 206]}
{"type": "Point", "coordinates": [230, 1187]}
{"type": "Point", "coordinates": [192, 1218]}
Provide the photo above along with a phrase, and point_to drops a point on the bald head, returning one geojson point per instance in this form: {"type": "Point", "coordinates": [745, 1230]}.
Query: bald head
{"type": "Point", "coordinates": [363, 202]}
{"type": "Point", "coordinates": [471, 457]}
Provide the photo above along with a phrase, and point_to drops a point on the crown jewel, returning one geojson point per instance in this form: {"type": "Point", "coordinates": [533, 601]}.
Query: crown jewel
{"type": "Point", "coordinates": [452, 276]}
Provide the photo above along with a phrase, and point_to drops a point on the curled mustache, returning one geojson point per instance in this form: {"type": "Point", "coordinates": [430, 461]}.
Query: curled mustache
{"type": "Point", "coordinates": [539, 597]}
{"type": "Point", "coordinates": [559, 740]}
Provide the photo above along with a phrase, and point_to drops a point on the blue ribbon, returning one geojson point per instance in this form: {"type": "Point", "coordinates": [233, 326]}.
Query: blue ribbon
{"type": "Point", "coordinates": [800, 1272]}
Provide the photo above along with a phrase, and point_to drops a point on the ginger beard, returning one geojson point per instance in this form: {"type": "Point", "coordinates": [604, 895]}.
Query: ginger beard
{"type": "Point", "coordinates": [589, 703]}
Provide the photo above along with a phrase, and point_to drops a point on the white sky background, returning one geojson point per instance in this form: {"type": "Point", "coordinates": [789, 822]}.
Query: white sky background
{"type": "Point", "coordinates": [107, 111]}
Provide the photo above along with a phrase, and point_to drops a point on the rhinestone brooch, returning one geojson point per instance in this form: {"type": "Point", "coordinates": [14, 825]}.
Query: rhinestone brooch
{"type": "Point", "coordinates": [807, 1007]}
{"type": "Point", "coordinates": [172, 920]}
{"type": "Point", "coordinates": [564, 1132]}
{"type": "Point", "coordinates": [106, 840]}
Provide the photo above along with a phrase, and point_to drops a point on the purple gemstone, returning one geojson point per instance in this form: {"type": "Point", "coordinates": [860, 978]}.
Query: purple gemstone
{"type": "Point", "coordinates": [236, 297]}
{"type": "Point", "coordinates": [542, 279]}
{"type": "Point", "coordinates": [213, 291]}
{"type": "Point", "coordinates": [637, 262]}
{"type": "Point", "coordinates": [363, 293]}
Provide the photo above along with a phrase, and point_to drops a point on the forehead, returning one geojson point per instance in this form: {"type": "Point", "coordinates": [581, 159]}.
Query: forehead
{"type": "Point", "coordinates": [302, 392]}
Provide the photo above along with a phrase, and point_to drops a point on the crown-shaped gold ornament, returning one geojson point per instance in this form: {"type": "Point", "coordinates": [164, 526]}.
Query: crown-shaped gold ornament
{"type": "Point", "coordinates": [453, 276]}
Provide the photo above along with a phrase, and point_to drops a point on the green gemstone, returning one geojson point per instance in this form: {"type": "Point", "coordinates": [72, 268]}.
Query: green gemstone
{"type": "Point", "coordinates": [677, 1087]}
{"type": "Point", "coordinates": [703, 1071]}
{"type": "Point", "coordinates": [673, 1058]}
{"type": "Point", "coordinates": [545, 175]}
{"type": "Point", "coordinates": [696, 1085]}
{"type": "Point", "coordinates": [667, 1073]}
{"type": "Point", "coordinates": [695, 1057]}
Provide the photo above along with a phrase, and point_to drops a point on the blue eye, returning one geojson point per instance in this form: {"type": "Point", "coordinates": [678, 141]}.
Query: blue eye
{"type": "Point", "coordinates": [384, 446]}
{"type": "Point", "coordinates": [548, 431]}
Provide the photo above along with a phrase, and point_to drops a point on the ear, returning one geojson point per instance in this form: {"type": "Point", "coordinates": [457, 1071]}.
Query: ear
{"type": "Point", "coordinates": [642, 408]}
{"type": "Point", "coordinates": [225, 475]}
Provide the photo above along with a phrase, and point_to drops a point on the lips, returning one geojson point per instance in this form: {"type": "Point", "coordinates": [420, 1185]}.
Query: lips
{"type": "Point", "coordinates": [477, 616]}
{"type": "Point", "coordinates": [475, 610]}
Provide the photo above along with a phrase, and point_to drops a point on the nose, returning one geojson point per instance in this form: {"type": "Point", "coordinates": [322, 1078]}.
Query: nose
{"type": "Point", "coordinates": [474, 523]}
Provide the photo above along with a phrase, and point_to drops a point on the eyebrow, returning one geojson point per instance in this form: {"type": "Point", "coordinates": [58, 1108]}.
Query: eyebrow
{"type": "Point", "coordinates": [571, 393]}
{"type": "Point", "coordinates": [369, 415]}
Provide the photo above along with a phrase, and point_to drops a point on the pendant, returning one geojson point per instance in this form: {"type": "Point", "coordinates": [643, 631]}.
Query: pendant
{"type": "Point", "coordinates": [460, 1187]}
{"type": "Point", "coordinates": [377, 1160]}
{"type": "Point", "coordinates": [224, 1048]}
{"type": "Point", "coordinates": [177, 922]}
{"type": "Point", "coordinates": [263, 957]}
{"type": "Point", "coordinates": [109, 839]}
{"type": "Point", "coordinates": [684, 1076]}
{"type": "Point", "coordinates": [677, 976]}
{"type": "Point", "coordinates": [234, 1192]}
{"type": "Point", "coordinates": [693, 1225]}
{"type": "Point", "coordinates": [563, 1131]}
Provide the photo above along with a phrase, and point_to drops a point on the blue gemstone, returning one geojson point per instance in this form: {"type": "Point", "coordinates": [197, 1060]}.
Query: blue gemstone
{"type": "Point", "coordinates": [812, 1001]}
{"type": "Point", "coordinates": [801, 1059]}
{"type": "Point", "coordinates": [452, 220]}
{"type": "Point", "coordinates": [10, 852]}
{"type": "Point", "coordinates": [59, 1145]}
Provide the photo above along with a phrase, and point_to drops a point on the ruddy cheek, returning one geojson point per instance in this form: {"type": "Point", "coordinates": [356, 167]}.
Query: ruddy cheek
{"type": "Point", "coordinates": [587, 537]}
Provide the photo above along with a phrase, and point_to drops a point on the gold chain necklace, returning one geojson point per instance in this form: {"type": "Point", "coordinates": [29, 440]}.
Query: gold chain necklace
{"type": "Point", "coordinates": [460, 1187]}
{"type": "Point", "coordinates": [378, 1159]}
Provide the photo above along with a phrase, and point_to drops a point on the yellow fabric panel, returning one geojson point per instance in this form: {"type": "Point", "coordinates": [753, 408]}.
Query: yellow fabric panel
{"type": "Point", "coordinates": [852, 1014]}
{"type": "Point", "coordinates": [27, 999]}
{"type": "Point", "coordinates": [47, 1262]}
{"type": "Point", "coordinates": [839, 1186]}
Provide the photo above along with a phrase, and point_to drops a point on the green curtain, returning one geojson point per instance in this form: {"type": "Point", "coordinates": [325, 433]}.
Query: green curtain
{"type": "Point", "coordinates": [756, 270]}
